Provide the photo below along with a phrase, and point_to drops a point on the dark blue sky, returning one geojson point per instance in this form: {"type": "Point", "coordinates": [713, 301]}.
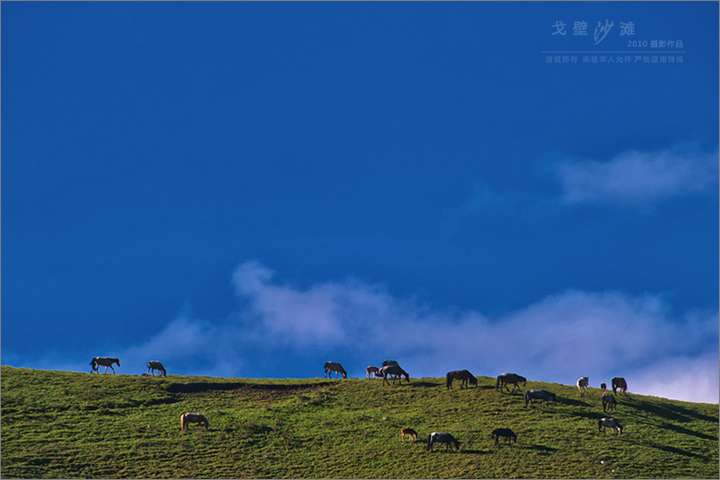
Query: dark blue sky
{"type": "Point", "coordinates": [400, 161]}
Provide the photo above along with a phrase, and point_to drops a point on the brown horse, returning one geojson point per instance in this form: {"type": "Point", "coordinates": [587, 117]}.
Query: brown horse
{"type": "Point", "coordinates": [619, 383]}
{"type": "Point", "coordinates": [334, 367]}
{"type": "Point", "coordinates": [187, 418]}
{"type": "Point", "coordinates": [370, 371]}
{"type": "Point", "coordinates": [505, 378]}
{"type": "Point", "coordinates": [503, 432]}
{"type": "Point", "coordinates": [609, 401]}
{"type": "Point", "coordinates": [409, 432]}
{"type": "Point", "coordinates": [463, 375]}
{"type": "Point", "coordinates": [388, 370]}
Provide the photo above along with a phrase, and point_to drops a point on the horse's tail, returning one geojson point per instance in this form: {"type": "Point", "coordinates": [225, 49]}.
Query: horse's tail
{"type": "Point", "coordinates": [497, 383]}
{"type": "Point", "coordinates": [526, 397]}
{"type": "Point", "coordinates": [429, 443]}
{"type": "Point", "coordinates": [448, 380]}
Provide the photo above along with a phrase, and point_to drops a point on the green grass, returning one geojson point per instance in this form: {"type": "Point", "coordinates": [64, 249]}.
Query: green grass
{"type": "Point", "coordinates": [76, 425]}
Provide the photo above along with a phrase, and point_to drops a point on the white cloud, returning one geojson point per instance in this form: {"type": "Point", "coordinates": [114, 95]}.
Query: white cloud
{"type": "Point", "coordinates": [681, 378]}
{"type": "Point", "coordinates": [558, 339]}
{"type": "Point", "coordinates": [638, 178]}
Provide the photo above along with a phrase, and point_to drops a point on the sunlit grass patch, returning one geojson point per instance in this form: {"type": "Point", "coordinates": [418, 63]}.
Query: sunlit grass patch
{"type": "Point", "coordinates": [76, 425]}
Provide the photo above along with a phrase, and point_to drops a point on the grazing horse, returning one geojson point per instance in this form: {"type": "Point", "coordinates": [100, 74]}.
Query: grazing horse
{"type": "Point", "coordinates": [370, 371]}
{"type": "Point", "coordinates": [388, 370]}
{"type": "Point", "coordinates": [106, 362]}
{"type": "Point", "coordinates": [603, 389]}
{"type": "Point", "coordinates": [187, 418]}
{"type": "Point", "coordinates": [505, 378]}
{"type": "Point", "coordinates": [503, 432]}
{"type": "Point", "coordinates": [609, 400]}
{"type": "Point", "coordinates": [619, 382]}
{"type": "Point", "coordinates": [610, 423]}
{"type": "Point", "coordinates": [335, 367]}
{"type": "Point", "coordinates": [445, 438]}
{"type": "Point", "coordinates": [463, 375]}
{"type": "Point", "coordinates": [543, 395]}
{"type": "Point", "coordinates": [154, 365]}
{"type": "Point", "coordinates": [409, 432]}
{"type": "Point", "coordinates": [582, 385]}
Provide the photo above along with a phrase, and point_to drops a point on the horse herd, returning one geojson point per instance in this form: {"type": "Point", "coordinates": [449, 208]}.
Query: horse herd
{"type": "Point", "coordinates": [107, 362]}
{"type": "Point", "coordinates": [391, 370]}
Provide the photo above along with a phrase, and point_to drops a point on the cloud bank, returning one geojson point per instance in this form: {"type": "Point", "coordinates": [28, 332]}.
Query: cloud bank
{"type": "Point", "coordinates": [638, 178]}
{"type": "Point", "coordinates": [283, 330]}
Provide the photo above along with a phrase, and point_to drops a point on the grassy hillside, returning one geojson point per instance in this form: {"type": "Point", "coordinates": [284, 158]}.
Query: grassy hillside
{"type": "Point", "coordinates": [77, 425]}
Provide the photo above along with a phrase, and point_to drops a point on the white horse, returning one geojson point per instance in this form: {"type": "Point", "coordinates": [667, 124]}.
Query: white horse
{"type": "Point", "coordinates": [388, 370]}
{"type": "Point", "coordinates": [154, 365]}
{"type": "Point", "coordinates": [187, 418]}
{"type": "Point", "coordinates": [335, 367]}
{"type": "Point", "coordinates": [582, 385]}
{"type": "Point", "coordinates": [610, 423]}
{"type": "Point", "coordinates": [445, 438]}
{"type": "Point", "coordinates": [372, 370]}
{"type": "Point", "coordinates": [543, 395]}
{"type": "Point", "coordinates": [106, 362]}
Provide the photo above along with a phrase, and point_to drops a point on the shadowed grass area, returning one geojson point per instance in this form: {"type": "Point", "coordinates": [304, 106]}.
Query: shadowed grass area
{"type": "Point", "coordinates": [76, 425]}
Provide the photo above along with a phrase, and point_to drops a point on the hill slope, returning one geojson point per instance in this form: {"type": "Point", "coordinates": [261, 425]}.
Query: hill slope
{"type": "Point", "coordinates": [76, 425]}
